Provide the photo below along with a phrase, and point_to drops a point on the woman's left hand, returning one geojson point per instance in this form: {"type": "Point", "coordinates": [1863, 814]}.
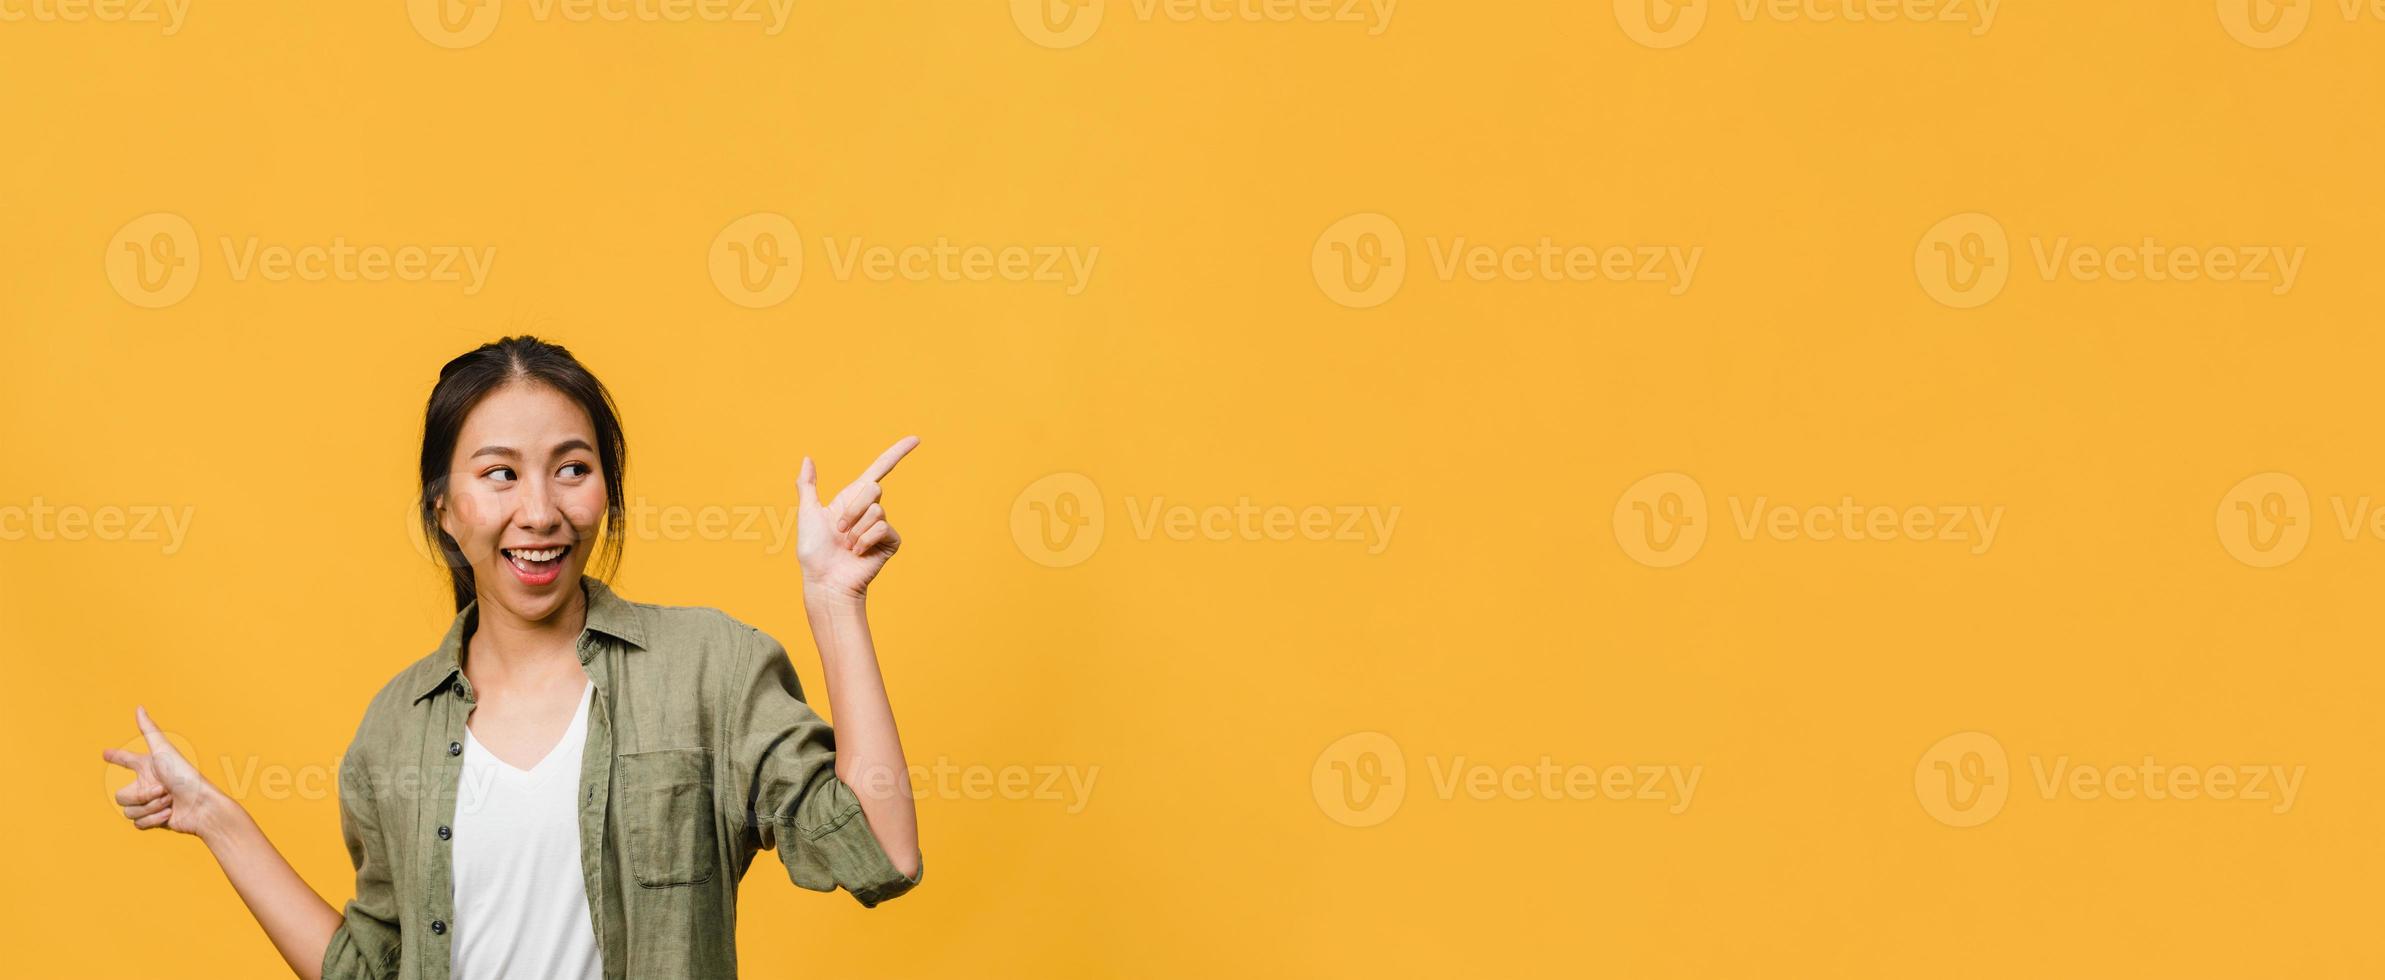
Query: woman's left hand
{"type": "Point", "coordinates": [843, 543]}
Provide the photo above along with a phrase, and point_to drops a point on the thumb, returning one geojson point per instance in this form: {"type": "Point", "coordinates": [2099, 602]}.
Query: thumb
{"type": "Point", "coordinates": [157, 739]}
{"type": "Point", "coordinates": [807, 492]}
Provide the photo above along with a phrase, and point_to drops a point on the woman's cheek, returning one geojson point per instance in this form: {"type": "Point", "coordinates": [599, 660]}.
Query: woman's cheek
{"type": "Point", "coordinates": [587, 511]}
{"type": "Point", "coordinates": [470, 531]}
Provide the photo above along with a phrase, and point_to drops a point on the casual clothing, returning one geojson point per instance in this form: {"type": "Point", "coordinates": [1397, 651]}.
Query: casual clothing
{"type": "Point", "coordinates": [699, 751]}
{"type": "Point", "coordinates": [520, 907]}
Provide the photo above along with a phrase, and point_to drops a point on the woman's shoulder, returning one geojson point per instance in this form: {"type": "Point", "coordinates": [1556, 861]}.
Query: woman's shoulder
{"type": "Point", "coordinates": [385, 720]}
{"type": "Point", "coordinates": [692, 649]}
{"type": "Point", "coordinates": [405, 687]}
{"type": "Point", "coordinates": [694, 631]}
{"type": "Point", "coordinates": [692, 634]}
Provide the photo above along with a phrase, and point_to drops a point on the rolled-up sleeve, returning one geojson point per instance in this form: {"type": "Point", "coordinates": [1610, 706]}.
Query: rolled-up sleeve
{"type": "Point", "coordinates": [366, 943]}
{"type": "Point", "coordinates": [783, 765]}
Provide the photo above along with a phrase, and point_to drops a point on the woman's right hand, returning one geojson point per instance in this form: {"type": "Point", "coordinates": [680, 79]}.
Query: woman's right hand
{"type": "Point", "coordinates": [166, 791]}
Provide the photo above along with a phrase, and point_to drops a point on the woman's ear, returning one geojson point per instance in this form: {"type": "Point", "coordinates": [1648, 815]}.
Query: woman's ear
{"type": "Point", "coordinates": [439, 512]}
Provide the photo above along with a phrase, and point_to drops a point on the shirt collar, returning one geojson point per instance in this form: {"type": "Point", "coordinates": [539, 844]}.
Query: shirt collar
{"type": "Point", "coordinates": [608, 614]}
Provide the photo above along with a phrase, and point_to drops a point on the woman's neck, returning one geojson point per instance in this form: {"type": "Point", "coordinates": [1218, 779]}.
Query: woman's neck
{"type": "Point", "coordinates": [504, 646]}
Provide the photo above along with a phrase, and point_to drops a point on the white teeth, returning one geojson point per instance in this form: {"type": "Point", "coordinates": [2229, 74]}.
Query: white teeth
{"type": "Point", "coordinates": [546, 554]}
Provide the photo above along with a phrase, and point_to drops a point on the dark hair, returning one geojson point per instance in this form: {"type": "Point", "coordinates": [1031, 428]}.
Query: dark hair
{"type": "Point", "coordinates": [470, 378]}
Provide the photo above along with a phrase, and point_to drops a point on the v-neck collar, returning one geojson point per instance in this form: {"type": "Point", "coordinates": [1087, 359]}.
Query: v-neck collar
{"type": "Point", "coordinates": [578, 724]}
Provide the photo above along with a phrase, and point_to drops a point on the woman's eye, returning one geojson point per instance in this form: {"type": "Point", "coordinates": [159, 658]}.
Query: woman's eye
{"type": "Point", "coordinates": [501, 474]}
{"type": "Point", "coordinates": [581, 467]}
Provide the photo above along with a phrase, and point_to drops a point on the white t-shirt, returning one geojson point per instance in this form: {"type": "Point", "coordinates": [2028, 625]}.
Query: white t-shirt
{"type": "Point", "coordinates": [521, 905]}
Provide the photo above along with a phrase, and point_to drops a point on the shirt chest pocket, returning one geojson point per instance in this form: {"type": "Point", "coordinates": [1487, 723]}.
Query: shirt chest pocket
{"type": "Point", "coordinates": [666, 808]}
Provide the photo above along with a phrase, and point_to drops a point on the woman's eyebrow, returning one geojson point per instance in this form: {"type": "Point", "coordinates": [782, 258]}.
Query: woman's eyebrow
{"type": "Point", "coordinates": [509, 452]}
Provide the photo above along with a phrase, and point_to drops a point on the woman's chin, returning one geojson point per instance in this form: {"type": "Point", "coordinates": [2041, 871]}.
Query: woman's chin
{"type": "Point", "coordinates": [535, 596]}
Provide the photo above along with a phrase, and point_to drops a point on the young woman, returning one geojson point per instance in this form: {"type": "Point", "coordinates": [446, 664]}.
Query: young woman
{"type": "Point", "coordinates": [573, 784]}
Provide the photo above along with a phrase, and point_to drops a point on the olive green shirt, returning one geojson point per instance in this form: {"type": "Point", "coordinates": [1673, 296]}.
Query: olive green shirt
{"type": "Point", "coordinates": [701, 751]}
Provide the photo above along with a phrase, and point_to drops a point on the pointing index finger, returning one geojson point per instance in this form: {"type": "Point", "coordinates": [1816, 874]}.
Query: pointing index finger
{"type": "Point", "coordinates": [886, 460]}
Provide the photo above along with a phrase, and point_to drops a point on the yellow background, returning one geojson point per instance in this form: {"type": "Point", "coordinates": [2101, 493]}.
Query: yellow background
{"type": "Point", "coordinates": [1204, 364]}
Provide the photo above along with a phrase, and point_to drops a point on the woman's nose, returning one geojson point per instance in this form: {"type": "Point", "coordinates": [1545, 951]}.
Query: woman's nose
{"type": "Point", "coordinates": [537, 511]}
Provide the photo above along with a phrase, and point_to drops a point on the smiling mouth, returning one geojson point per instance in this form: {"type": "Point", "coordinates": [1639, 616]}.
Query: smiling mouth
{"type": "Point", "coordinates": [537, 566]}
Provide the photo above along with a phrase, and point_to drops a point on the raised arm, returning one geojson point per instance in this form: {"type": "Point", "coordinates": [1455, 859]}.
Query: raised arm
{"type": "Point", "coordinates": [842, 545]}
{"type": "Point", "coordinates": [167, 791]}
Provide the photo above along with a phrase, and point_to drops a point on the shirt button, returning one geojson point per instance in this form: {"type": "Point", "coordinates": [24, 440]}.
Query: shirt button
{"type": "Point", "coordinates": [445, 833]}
{"type": "Point", "coordinates": [439, 927]}
{"type": "Point", "coordinates": [455, 748]}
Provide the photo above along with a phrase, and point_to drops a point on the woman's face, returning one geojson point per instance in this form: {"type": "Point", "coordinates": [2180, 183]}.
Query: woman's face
{"type": "Point", "coordinates": [525, 497]}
